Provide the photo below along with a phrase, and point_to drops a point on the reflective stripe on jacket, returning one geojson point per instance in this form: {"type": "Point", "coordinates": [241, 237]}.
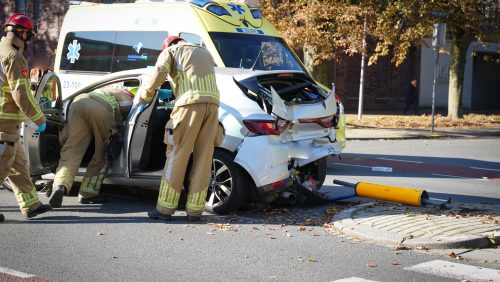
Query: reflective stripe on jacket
{"type": "Point", "coordinates": [190, 69]}
{"type": "Point", "coordinates": [119, 100]}
{"type": "Point", "coordinates": [16, 100]}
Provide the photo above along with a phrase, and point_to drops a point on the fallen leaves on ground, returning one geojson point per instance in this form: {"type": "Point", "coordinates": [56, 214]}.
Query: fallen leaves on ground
{"type": "Point", "coordinates": [224, 227]}
{"type": "Point", "coordinates": [421, 248]}
{"type": "Point", "coordinates": [401, 248]}
{"type": "Point", "coordinates": [311, 260]}
{"type": "Point", "coordinates": [423, 121]}
{"type": "Point", "coordinates": [371, 264]}
{"type": "Point", "coordinates": [301, 228]}
{"type": "Point", "coordinates": [395, 263]}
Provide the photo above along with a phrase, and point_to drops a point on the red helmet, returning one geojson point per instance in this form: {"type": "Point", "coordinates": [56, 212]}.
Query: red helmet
{"type": "Point", "coordinates": [171, 39]}
{"type": "Point", "coordinates": [19, 21]}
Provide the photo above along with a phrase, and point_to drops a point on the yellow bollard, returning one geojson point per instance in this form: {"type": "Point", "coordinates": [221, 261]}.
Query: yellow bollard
{"type": "Point", "coordinates": [407, 196]}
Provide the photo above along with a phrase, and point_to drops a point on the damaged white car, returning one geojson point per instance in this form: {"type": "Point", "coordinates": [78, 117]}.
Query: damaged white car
{"type": "Point", "coordinates": [280, 128]}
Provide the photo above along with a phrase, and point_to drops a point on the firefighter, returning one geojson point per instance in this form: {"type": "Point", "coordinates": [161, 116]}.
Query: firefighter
{"type": "Point", "coordinates": [17, 103]}
{"type": "Point", "coordinates": [98, 115]}
{"type": "Point", "coordinates": [192, 126]}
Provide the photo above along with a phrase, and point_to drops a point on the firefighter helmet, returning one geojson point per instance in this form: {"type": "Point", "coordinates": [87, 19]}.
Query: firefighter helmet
{"type": "Point", "coordinates": [171, 39]}
{"type": "Point", "coordinates": [18, 23]}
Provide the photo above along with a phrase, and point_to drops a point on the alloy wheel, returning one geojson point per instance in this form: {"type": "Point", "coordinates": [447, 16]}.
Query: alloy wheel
{"type": "Point", "coordinates": [221, 184]}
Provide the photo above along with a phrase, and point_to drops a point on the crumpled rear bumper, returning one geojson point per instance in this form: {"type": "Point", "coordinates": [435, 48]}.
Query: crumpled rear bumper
{"type": "Point", "coordinates": [267, 160]}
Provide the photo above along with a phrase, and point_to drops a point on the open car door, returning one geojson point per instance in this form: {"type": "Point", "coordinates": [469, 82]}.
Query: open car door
{"type": "Point", "coordinates": [43, 149]}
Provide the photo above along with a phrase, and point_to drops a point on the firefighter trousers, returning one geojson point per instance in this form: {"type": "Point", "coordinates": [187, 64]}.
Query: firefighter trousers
{"type": "Point", "coordinates": [14, 165]}
{"type": "Point", "coordinates": [191, 130]}
{"type": "Point", "coordinates": [87, 119]}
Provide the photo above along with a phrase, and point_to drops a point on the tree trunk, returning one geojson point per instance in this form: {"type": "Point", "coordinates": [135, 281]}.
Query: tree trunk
{"type": "Point", "coordinates": [320, 71]}
{"type": "Point", "coordinates": [460, 42]}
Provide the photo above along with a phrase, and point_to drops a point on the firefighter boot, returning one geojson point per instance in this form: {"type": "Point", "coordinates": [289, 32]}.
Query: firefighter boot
{"type": "Point", "coordinates": [99, 199]}
{"type": "Point", "coordinates": [155, 214]}
{"type": "Point", "coordinates": [57, 196]}
{"type": "Point", "coordinates": [41, 209]}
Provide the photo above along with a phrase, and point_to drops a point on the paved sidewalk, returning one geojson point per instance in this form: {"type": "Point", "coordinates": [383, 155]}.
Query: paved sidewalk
{"type": "Point", "coordinates": [411, 133]}
{"type": "Point", "coordinates": [463, 226]}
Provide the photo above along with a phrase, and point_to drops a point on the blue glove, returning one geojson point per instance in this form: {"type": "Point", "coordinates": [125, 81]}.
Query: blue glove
{"type": "Point", "coordinates": [164, 94]}
{"type": "Point", "coordinates": [41, 128]}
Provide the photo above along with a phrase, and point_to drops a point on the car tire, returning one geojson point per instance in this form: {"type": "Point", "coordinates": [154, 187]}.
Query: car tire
{"type": "Point", "coordinates": [229, 184]}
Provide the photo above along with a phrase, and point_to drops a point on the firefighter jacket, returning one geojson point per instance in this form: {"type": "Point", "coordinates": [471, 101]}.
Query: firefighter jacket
{"type": "Point", "coordinates": [16, 100]}
{"type": "Point", "coordinates": [190, 69]}
{"type": "Point", "coordinates": [119, 101]}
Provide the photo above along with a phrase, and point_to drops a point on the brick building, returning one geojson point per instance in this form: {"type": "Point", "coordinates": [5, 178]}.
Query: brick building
{"type": "Point", "coordinates": [385, 85]}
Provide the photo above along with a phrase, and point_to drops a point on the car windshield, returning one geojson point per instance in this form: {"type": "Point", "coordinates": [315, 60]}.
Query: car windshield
{"type": "Point", "coordinates": [257, 52]}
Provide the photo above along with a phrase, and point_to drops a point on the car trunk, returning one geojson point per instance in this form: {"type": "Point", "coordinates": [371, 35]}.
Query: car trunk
{"type": "Point", "coordinates": [295, 97]}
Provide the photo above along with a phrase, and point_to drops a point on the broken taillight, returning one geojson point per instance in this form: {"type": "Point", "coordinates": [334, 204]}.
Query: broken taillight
{"type": "Point", "coordinates": [325, 122]}
{"type": "Point", "coordinates": [267, 127]}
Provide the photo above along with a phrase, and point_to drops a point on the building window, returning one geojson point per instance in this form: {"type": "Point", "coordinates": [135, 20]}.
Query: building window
{"type": "Point", "coordinates": [21, 6]}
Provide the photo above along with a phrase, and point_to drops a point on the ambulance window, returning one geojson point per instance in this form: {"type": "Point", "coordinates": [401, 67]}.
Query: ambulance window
{"type": "Point", "coordinates": [250, 51]}
{"type": "Point", "coordinates": [88, 51]}
{"type": "Point", "coordinates": [192, 38]}
{"type": "Point", "coordinates": [137, 49]}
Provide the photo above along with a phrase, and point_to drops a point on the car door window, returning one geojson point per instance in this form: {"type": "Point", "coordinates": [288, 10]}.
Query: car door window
{"type": "Point", "coordinates": [50, 92]}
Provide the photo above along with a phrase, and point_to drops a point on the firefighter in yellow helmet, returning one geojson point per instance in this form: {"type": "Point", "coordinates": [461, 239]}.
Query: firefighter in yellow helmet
{"type": "Point", "coordinates": [17, 103]}
{"type": "Point", "coordinates": [95, 115]}
{"type": "Point", "coordinates": [192, 126]}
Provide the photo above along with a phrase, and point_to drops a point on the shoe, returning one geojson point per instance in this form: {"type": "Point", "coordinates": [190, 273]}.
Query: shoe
{"type": "Point", "coordinates": [154, 214]}
{"type": "Point", "coordinates": [57, 196]}
{"type": "Point", "coordinates": [2, 218]}
{"type": "Point", "coordinates": [41, 209]}
{"type": "Point", "coordinates": [193, 218]}
{"type": "Point", "coordinates": [99, 199]}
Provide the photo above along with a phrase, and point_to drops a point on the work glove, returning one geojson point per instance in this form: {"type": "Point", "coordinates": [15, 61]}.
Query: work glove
{"type": "Point", "coordinates": [41, 127]}
{"type": "Point", "coordinates": [164, 94]}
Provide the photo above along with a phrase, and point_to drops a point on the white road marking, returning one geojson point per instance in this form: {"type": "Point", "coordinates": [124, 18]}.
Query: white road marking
{"type": "Point", "coordinates": [353, 165]}
{"type": "Point", "coordinates": [473, 167]}
{"type": "Point", "coordinates": [354, 279]}
{"type": "Point", "coordinates": [456, 270]}
{"type": "Point", "coordinates": [15, 273]}
{"type": "Point", "coordinates": [406, 161]}
{"type": "Point", "coordinates": [447, 175]}
{"type": "Point", "coordinates": [382, 169]}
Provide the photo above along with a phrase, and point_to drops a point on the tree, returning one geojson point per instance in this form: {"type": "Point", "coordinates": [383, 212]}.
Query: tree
{"type": "Point", "coordinates": [404, 22]}
{"type": "Point", "coordinates": [320, 29]}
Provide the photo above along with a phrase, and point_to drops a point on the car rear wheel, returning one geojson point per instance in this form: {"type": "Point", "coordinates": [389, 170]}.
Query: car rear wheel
{"type": "Point", "coordinates": [228, 188]}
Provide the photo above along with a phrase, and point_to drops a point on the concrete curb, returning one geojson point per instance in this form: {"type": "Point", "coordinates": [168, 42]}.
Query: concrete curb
{"type": "Point", "coordinates": [344, 223]}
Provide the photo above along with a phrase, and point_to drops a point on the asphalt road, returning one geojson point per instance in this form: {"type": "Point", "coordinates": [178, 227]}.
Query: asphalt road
{"type": "Point", "coordinates": [116, 241]}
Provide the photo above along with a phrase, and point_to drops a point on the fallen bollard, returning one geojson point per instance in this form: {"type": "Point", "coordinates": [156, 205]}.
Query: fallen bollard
{"type": "Point", "coordinates": [407, 196]}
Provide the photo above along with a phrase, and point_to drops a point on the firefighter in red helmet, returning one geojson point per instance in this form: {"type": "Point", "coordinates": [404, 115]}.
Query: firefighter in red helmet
{"type": "Point", "coordinates": [17, 103]}
{"type": "Point", "coordinates": [193, 125]}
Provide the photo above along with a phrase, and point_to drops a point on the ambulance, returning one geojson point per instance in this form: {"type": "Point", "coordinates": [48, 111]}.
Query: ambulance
{"type": "Point", "coordinates": [98, 39]}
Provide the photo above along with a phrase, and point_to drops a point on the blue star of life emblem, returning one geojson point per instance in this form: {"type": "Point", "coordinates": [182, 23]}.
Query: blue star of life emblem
{"type": "Point", "coordinates": [137, 47]}
{"type": "Point", "coordinates": [236, 8]}
{"type": "Point", "coordinates": [73, 49]}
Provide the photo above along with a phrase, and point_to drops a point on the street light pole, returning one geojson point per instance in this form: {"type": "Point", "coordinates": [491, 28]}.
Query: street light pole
{"type": "Point", "coordinates": [436, 69]}
{"type": "Point", "coordinates": [362, 74]}
{"type": "Point", "coordinates": [438, 41]}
